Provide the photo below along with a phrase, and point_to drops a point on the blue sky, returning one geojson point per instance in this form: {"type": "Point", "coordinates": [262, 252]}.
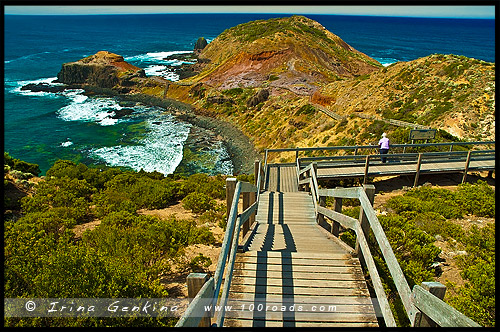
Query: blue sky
{"type": "Point", "coordinates": [402, 10]}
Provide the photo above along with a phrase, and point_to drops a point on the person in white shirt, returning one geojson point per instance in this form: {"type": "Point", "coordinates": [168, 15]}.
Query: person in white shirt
{"type": "Point", "coordinates": [384, 147]}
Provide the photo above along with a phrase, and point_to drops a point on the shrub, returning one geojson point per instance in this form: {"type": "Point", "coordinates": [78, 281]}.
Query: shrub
{"type": "Point", "coordinates": [306, 109]}
{"type": "Point", "coordinates": [21, 165]}
{"type": "Point", "coordinates": [200, 263]}
{"type": "Point", "coordinates": [477, 199]}
{"type": "Point", "coordinates": [477, 298]}
{"type": "Point", "coordinates": [198, 202]}
{"type": "Point", "coordinates": [72, 194]}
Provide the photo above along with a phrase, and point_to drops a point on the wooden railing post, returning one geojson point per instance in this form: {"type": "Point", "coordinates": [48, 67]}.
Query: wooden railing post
{"type": "Point", "coordinates": [363, 220]}
{"type": "Point", "coordinates": [417, 174]}
{"type": "Point", "coordinates": [195, 282]}
{"type": "Point", "coordinates": [230, 189]}
{"type": "Point", "coordinates": [321, 218]}
{"type": "Point", "coordinates": [246, 204]}
{"type": "Point", "coordinates": [367, 164]}
{"type": "Point", "coordinates": [437, 289]}
{"type": "Point", "coordinates": [337, 207]}
{"type": "Point", "coordinates": [466, 167]}
{"type": "Point", "coordinates": [256, 172]}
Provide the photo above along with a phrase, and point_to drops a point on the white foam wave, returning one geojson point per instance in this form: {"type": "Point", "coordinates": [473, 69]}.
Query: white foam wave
{"type": "Point", "coordinates": [163, 71]}
{"type": "Point", "coordinates": [160, 150]}
{"type": "Point", "coordinates": [223, 164]}
{"type": "Point", "coordinates": [155, 63]}
{"type": "Point", "coordinates": [386, 61]}
{"type": "Point", "coordinates": [82, 108]}
{"type": "Point", "coordinates": [163, 55]}
{"type": "Point", "coordinates": [67, 143]}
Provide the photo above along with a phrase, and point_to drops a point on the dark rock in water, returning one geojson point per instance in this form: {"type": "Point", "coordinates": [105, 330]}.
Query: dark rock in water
{"type": "Point", "coordinates": [121, 113]}
{"type": "Point", "coordinates": [200, 44]}
{"type": "Point", "coordinates": [43, 87]}
{"type": "Point", "coordinates": [157, 122]}
{"type": "Point", "coordinates": [258, 98]}
{"type": "Point", "coordinates": [182, 57]}
{"type": "Point", "coordinates": [126, 103]}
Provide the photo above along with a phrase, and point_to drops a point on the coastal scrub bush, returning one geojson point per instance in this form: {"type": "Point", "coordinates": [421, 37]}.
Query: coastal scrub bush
{"type": "Point", "coordinates": [71, 194]}
{"type": "Point", "coordinates": [250, 178]}
{"type": "Point", "coordinates": [96, 177]}
{"type": "Point", "coordinates": [477, 199]}
{"type": "Point", "coordinates": [198, 202]}
{"type": "Point", "coordinates": [200, 263]}
{"type": "Point", "coordinates": [307, 109]}
{"type": "Point", "coordinates": [476, 299]}
{"type": "Point", "coordinates": [213, 186]}
{"type": "Point", "coordinates": [21, 165]}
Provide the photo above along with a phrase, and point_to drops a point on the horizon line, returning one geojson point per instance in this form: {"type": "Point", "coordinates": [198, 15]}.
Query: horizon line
{"type": "Point", "coordinates": [430, 11]}
{"type": "Point", "coordinates": [263, 13]}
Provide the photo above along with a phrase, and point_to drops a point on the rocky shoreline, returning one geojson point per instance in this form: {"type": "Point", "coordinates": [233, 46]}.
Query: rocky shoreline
{"type": "Point", "coordinates": [103, 72]}
{"type": "Point", "coordinates": [241, 150]}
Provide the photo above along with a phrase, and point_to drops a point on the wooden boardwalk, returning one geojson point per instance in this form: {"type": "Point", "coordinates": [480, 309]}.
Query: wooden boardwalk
{"type": "Point", "coordinates": [288, 271]}
{"type": "Point", "coordinates": [337, 171]}
{"type": "Point", "coordinates": [295, 274]}
{"type": "Point", "coordinates": [281, 178]}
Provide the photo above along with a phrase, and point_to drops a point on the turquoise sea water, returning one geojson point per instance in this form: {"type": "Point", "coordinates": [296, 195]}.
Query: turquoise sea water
{"type": "Point", "coordinates": [43, 127]}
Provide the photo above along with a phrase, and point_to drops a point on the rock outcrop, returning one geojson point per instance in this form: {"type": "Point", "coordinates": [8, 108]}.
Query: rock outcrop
{"type": "Point", "coordinates": [102, 70]}
{"type": "Point", "coordinates": [200, 44]}
{"type": "Point", "coordinates": [271, 79]}
{"type": "Point", "coordinates": [260, 97]}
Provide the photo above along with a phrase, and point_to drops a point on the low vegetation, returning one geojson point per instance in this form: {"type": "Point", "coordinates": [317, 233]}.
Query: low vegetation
{"type": "Point", "coordinates": [126, 256]}
{"type": "Point", "coordinates": [420, 216]}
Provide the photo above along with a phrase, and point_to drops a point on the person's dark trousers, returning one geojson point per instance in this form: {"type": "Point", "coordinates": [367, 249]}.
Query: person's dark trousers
{"type": "Point", "coordinates": [382, 152]}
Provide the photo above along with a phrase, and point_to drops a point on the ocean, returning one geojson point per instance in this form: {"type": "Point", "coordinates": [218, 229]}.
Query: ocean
{"type": "Point", "coordinates": [41, 127]}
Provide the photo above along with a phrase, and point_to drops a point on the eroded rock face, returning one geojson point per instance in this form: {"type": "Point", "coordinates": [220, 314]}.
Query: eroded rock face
{"type": "Point", "coordinates": [103, 69]}
{"type": "Point", "coordinates": [200, 44]}
{"type": "Point", "coordinates": [258, 98]}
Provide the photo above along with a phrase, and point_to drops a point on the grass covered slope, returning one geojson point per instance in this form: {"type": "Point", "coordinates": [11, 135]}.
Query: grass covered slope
{"type": "Point", "coordinates": [448, 92]}
{"type": "Point", "coordinates": [253, 52]}
{"type": "Point", "coordinates": [303, 68]}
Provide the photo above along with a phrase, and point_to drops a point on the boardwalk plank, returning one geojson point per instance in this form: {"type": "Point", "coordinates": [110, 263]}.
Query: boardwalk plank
{"type": "Point", "coordinates": [263, 323]}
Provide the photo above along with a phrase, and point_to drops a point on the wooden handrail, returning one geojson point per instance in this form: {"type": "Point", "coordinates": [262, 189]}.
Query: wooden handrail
{"type": "Point", "coordinates": [438, 311]}
{"type": "Point", "coordinates": [393, 146]}
{"type": "Point", "coordinates": [228, 254]}
{"type": "Point", "coordinates": [415, 302]}
{"type": "Point", "coordinates": [389, 257]}
{"type": "Point", "coordinates": [193, 314]}
{"type": "Point", "coordinates": [402, 156]}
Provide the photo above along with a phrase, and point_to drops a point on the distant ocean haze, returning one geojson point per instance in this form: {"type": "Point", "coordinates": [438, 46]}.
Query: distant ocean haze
{"type": "Point", "coordinates": [43, 127]}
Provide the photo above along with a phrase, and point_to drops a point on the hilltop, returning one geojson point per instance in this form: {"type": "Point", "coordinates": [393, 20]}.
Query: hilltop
{"type": "Point", "coordinates": [273, 79]}
{"type": "Point", "coordinates": [294, 53]}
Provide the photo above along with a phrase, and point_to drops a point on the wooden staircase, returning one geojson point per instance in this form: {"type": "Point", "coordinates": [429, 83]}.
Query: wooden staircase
{"type": "Point", "coordinates": [294, 274]}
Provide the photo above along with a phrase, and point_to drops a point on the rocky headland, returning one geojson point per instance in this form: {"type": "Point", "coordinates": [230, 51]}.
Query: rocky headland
{"type": "Point", "coordinates": [268, 83]}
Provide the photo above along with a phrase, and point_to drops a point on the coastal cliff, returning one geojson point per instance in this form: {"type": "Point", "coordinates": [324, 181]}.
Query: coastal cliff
{"type": "Point", "coordinates": [103, 69]}
{"type": "Point", "coordinates": [277, 79]}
